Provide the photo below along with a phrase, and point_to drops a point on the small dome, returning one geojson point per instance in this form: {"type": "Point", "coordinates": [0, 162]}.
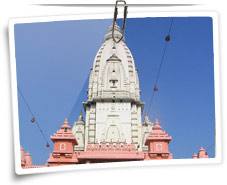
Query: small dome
{"type": "Point", "coordinates": [117, 32]}
{"type": "Point", "coordinates": [157, 125]}
{"type": "Point", "coordinates": [80, 119]}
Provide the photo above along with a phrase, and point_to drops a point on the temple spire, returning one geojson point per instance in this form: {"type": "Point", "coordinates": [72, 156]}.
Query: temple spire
{"type": "Point", "coordinates": [201, 154]}
{"type": "Point", "coordinates": [64, 142]}
{"type": "Point", "coordinates": [65, 124]}
{"type": "Point", "coordinates": [158, 143]}
{"type": "Point", "coordinates": [80, 119]}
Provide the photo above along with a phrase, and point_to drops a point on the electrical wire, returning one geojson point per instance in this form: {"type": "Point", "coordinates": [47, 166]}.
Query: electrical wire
{"type": "Point", "coordinates": [155, 88]}
{"type": "Point", "coordinates": [34, 120]}
{"type": "Point", "coordinates": [77, 102]}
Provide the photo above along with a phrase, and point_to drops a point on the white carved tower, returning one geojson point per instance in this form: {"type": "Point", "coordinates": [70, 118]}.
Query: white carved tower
{"type": "Point", "coordinates": [113, 107]}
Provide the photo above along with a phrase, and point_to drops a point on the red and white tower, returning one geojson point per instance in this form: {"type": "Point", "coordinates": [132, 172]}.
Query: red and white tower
{"type": "Point", "coordinates": [64, 141]}
{"type": "Point", "coordinates": [201, 154]}
{"type": "Point", "coordinates": [26, 159]}
{"type": "Point", "coordinates": [158, 143]}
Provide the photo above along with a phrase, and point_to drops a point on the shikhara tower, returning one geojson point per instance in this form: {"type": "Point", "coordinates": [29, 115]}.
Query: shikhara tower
{"type": "Point", "coordinates": [113, 129]}
{"type": "Point", "coordinates": [113, 107]}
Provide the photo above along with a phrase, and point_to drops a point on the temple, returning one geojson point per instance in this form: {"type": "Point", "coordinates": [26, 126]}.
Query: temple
{"type": "Point", "coordinates": [113, 128]}
{"type": "Point", "coordinates": [201, 154]}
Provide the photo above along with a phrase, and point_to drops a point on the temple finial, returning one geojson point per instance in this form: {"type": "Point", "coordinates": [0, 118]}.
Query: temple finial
{"type": "Point", "coordinates": [65, 124]}
{"type": "Point", "coordinates": [80, 118]}
{"type": "Point", "coordinates": [157, 122]}
{"type": "Point", "coordinates": [66, 121]}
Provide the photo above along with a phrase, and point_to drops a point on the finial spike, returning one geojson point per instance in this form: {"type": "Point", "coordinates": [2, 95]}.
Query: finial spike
{"type": "Point", "coordinates": [157, 122]}
{"type": "Point", "coordinates": [66, 120]}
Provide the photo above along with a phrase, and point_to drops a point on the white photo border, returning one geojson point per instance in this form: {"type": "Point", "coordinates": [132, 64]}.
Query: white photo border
{"type": "Point", "coordinates": [137, 14]}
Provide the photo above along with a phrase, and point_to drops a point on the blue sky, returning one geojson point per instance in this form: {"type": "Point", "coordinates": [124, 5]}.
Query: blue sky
{"type": "Point", "coordinates": [54, 59]}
